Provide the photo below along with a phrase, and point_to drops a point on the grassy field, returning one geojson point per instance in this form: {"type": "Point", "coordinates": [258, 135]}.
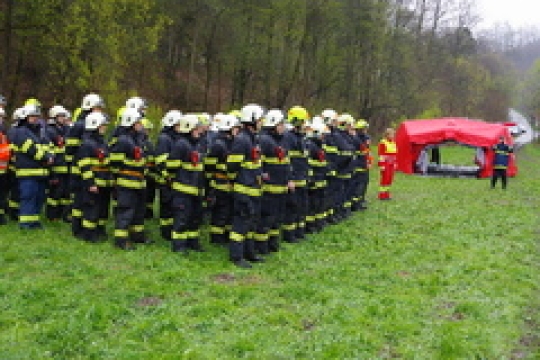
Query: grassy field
{"type": "Point", "coordinates": [448, 270]}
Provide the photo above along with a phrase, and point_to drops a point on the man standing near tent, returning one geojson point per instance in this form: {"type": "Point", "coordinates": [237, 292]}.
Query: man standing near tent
{"type": "Point", "coordinates": [500, 162]}
{"type": "Point", "coordinates": [387, 162]}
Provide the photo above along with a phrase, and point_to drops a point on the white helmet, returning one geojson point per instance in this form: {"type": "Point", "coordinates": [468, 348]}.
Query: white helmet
{"type": "Point", "coordinates": [329, 115]}
{"type": "Point", "coordinates": [317, 128]}
{"type": "Point", "coordinates": [3, 101]}
{"type": "Point", "coordinates": [217, 119]}
{"type": "Point", "coordinates": [130, 117]}
{"type": "Point", "coordinates": [171, 118]}
{"type": "Point", "coordinates": [251, 113]}
{"type": "Point", "coordinates": [94, 120]}
{"type": "Point", "coordinates": [2, 112]}
{"type": "Point", "coordinates": [273, 118]}
{"type": "Point", "coordinates": [187, 123]}
{"type": "Point", "coordinates": [30, 110]}
{"type": "Point", "coordinates": [228, 122]}
{"type": "Point", "coordinates": [57, 110]}
{"type": "Point", "coordinates": [91, 101]}
{"type": "Point", "coordinates": [18, 114]}
{"type": "Point", "coordinates": [345, 119]}
{"type": "Point", "coordinates": [136, 103]}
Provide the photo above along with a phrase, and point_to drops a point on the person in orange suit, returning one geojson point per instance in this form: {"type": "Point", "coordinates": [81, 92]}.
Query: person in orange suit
{"type": "Point", "coordinates": [387, 162]}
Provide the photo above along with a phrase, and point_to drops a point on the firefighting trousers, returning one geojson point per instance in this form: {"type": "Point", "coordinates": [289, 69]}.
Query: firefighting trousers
{"type": "Point", "coordinates": [151, 187]}
{"type": "Point", "coordinates": [130, 209]}
{"type": "Point", "coordinates": [165, 211]}
{"type": "Point", "coordinates": [58, 198]}
{"type": "Point", "coordinates": [14, 196]}
{"type": "Point", "coordinates": [387, 177]}
{"type": "Point", "coordinates": [316, 208]}
{"type": "Point", "coordinates": [363, 179]}
{"type": "Point", "coordinates": [187, 210]}
{"type": "Point", "coordinates": [499, 174]}
{"type": "Point", "coordinates": [273, 215]}
{"type": "Point", "coordinates": [221, 216]}
{"type": "Point", "coordinates": [246, 217]}
{"type": "Point", "coordinates": [4, 192]}
{"type": "Point", "coordinates": [95, 212]}
{"type": "Point", "coordinates": [295, 222]}
{"type": "Point", "coordinates": [32, 198]}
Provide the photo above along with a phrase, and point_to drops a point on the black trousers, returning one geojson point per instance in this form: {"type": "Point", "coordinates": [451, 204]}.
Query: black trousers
{"type": "Point", "coordinates": [58, 198]}
{"type": "Point", "coordinates": [165, 211]}
{"type": "Point", "coordinates": [499, 174]}
{"type": "Point", "coordinates": [221, 216]}
{"type": "Point", "coordinates": [130, 210]}
{"type": "Point", "coordinates": [95, 211]}
{"type": "Point", "coordinates": [246, 217]}
{"type": "Point", "coordinates": [4, 192]}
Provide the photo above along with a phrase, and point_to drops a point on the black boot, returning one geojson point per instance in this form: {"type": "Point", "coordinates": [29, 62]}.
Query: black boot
{"type": "Point", "coordinates": [249, 252]}
{"type": "Point", "coordinates": [124, 244]}
{"type": "Point", "coordinates": [141, 238]}
{"type": "Point", "coordinates": [179, 246]}
{"type": "Point", "coordinates": [236, 255]}
{"type": "Point", "coordinates": [76, 227]}
{"type": "Point", "coordinates": [90, 235]}
{"type": "Point", "coordinates": [166, 232]}
{"type": "Point", "coordinates": [194, 244]}
{"type": "Point", "coordinates": [273, 244]}
{"type": "Point", "coordinates": [262, 247]}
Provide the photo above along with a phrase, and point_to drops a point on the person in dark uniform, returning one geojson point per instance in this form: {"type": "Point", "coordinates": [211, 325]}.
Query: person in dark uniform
{"type": "Point", "coordinates": [220, 184]}
{"type": "Point", "coordinates": [500, 162]}
{"type": "Point", "coordinates": [186, 165]}
{"type": "Point", "coordinates": [58, 195]}
{"type": "Point", "coordinates": [93, 161]}
{"type": "Point", "coordinates": [128, 164]}
{"type": "Point", "coordinates": [165, 141]}
{"type": "Point", "coordinates": [32, 163]}
{"type": "Point", "coordinates": [277, 182]}
{"type": "Point", "coordinates": [5, 155]}
{"type": "Point", "coordinates": [244, 162]}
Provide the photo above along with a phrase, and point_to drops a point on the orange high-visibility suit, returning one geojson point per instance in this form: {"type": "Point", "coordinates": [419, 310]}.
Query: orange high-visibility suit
{"type": "Point", "coordinates": [387, 163]}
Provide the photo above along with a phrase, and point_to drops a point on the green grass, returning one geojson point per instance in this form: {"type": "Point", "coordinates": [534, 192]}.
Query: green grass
{"type": "Point", "coordinates": [448, 270]}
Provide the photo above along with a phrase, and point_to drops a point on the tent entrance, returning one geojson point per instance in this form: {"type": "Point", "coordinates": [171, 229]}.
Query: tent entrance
{"type": "Point", "coordinates": [450, 159]}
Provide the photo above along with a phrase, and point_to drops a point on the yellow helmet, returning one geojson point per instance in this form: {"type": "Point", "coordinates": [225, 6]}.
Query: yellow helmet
{"type": "Point", "coordinates": [119, 114]}
{"type": "Point", "coordinates": [297, 115]}
{"type": "Point", "coordinates": [236, 113]}
{"type": "Point", "coordinates": [147, 124]}
{"type": "Point", "coordinates": [32, 101]}
{"type": "Point", "coordinates": [204, 118]}
{"type": "Point", "coordinates": [361, 124]}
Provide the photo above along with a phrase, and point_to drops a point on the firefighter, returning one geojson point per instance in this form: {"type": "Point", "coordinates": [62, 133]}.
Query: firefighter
{"type": "Point", "coordinates": [128, 164]}
{"type": "Point", "coordinates": [277, 181]}
{"type": "Point", "coordinates": [32, 163]}
{"type": "Point", "coordinates": [245, 163]}
{"type": "Point", "coordinates": [165, 141]}
{"type": "Point", "coordinates": [500, 162]}
{"type": "Point", "coordinates": [58, 195]}
{"type": "Point", "coordinates": [90, 103]}
{"type": "Point", "coordinates": [96, 179]}
{"type": "Point", "coordinates": [5, 155]}
{"type": "Point", "coordinates": [13, 202]}
{"type": "Point", "coordinates": [185, 163]}
{"type": "Point", "coordinates": [345, 129]}
{"type": "Point", "coordinates": [297, 201]}
{"type": "Point", "coordinates": [220, 186]}
{"type": "Point", "coordinates": [363, 163]}
{"type": "Point", "coordinates": [152, 173]}
{"type": "Point", "coordinates": [317, 185]}
{"type": "Point", "coordinates": [387, 151]}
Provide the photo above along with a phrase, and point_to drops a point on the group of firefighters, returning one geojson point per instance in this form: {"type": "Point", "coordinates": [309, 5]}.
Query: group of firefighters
{"type": "Point", "coordinates": [262, 176]}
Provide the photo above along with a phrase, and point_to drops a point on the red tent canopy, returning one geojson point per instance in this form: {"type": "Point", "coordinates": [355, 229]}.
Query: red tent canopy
{"type": "Point", "coordinates": [414, 135]}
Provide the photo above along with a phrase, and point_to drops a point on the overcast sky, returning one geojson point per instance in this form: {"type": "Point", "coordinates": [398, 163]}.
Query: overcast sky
{"type": "Point", "coordinates": [517, 13]}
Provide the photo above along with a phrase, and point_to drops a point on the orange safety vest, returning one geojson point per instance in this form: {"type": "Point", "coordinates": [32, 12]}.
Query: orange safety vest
{"type": "Point", "coordinates": [5, 152]}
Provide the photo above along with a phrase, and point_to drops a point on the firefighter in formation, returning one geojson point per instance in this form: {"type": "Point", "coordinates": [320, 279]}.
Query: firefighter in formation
{"type": "Point", "coordinates": [262, 177]}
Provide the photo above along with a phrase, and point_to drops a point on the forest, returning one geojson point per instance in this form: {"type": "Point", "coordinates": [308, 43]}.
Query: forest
{"type": "Point", "coordinates": [383, 60]}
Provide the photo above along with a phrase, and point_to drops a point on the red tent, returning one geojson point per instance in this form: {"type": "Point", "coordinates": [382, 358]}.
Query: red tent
{"type": "Point", "coordinates": [414, 135]}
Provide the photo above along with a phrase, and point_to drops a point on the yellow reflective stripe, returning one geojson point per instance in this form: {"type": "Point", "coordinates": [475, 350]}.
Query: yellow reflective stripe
{"type": "Point", "coordinates": [28, 218]}
{"type": "Point", "coordinates": [191, 167]}
{"type": "Point", "coordinates": [242, 189]}
{"type": "Point", "coordinates": [73, 142]}
{"type": "Point", "coordinates": [275, 160]}
{"type": "Point", "coordinates": [210, 161]}
{"type": "Point", "coordinates": [166, 222]}
{"type": "Point", "coordinates": [26, 145]}
{"type": "Point", "coordinates": [289, 227]}
{"type": "Point", "coordinates": [300, 183]}
{"type": "Point", "coordinates": [331, 149]}
{"type": "Point", "coordinates": [234, 236]}
{"type": "Point", "coordinates": [317, 163]}
{"type": "Point", "coordinates": [319, 184]}
{"type": "Point", "coordinates": [132, 184]}
{"type": "Point", "coordinates": [76, 213]}
{"type": "Point", "coordinates": [117, 156]}
{"type": "Point", "coordinates": [31, 172]}
{"type": "Point", "coordinates": [179, 235]}
{"type": "Point", "coordinates": [53, 202]}
{"type": "Point", "coordinates": [346, 153]}
{"type": "Point", "coordinates": [136, 228]}
{"type": "Point", "coordinates": [87, 175]}
{"type": "Point", "coordinates": [60, 169]}
{"type": "Point", "coordinates": [390, 146]}
{"type": "Point", "coordinates": [173, 164]}
{"type": "Point", "coordinates": [89, 224]}
{"type": "Point", "coordinates": [261, 237]}
{"type": "Point", "coordinates": [222, 187]}
{"type": "Point", "coordinates": [121, 233]}
{"type": "Point", "coordinates": [275, 189]}
{"type": "Point", "coordinates": [186, 189]}
{"type": "Point", "coordinates": [218, 230]}
{"type": "Point", "coordinates": [235, 158]}
{"type": "Point", "coordinates": [192, 234]}
{"type": "Point", "coordinates": [273, 232]}
{"type": "Point", "coordinates": [344, 176]}
{"type": "Point", "coordinates": [251, 165]}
